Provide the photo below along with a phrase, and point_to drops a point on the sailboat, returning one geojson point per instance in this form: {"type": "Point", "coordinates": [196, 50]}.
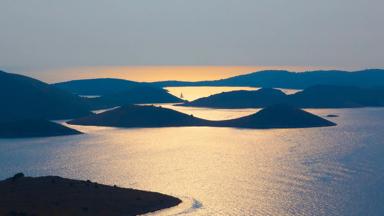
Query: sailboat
{"type": "Point", "coordinates": [181, 95]}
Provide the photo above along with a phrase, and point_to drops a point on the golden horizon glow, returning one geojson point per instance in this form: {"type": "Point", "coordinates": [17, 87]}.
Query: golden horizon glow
{"type": "Point", "coordinates": [157, 73]}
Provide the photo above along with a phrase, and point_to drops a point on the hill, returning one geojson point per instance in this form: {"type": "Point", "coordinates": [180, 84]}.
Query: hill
{"type": "Point", "coordinates": [267, 78]}
{"type": "Point", "coordinates": [33, 128]}
{"type": "Point", "coordinates": [294, 80]}
{"type": "Point", "coordinates": [140, 116]}
{"type": "Point", "coordinates": [326, 96]}
{"type": "Point", "coordinates": [26, 98]}
{"type": "Point", "coordinates": [240, 99]}
{"type": "Point", "coordinates": [133, 95]}
{"type": "Point", "coordinates": [53, 195]}
{"type": "Point", "coordinates": [320, 96]}
{"type": "Point", "coordinates": [277, 116]}
{"type": "Point", "coordinates": [102, 86]}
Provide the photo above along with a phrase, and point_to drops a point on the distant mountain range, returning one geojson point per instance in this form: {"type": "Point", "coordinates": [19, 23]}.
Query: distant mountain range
{"type": "Point", "coordinates": [267, 78]}
{"type": "Point", "coordinates": [276, 116]}
{"type": "Point", "coordinates": [293, 80]}
{"type": "Point", "coordinates": [320, 96]}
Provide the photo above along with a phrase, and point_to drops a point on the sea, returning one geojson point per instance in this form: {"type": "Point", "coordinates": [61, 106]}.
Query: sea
{"type": "Point", "coordinates": [225, 171]}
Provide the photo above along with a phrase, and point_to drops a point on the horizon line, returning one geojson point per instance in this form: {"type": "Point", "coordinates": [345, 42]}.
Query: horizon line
{"type": "Point", "coordinates": [151, 73]}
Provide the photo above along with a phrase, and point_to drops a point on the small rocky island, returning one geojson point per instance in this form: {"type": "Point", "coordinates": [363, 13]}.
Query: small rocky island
{"type": "Point", "coordinates": [52, 195]}
{"type": "Point", "coordinates": [134, 116]}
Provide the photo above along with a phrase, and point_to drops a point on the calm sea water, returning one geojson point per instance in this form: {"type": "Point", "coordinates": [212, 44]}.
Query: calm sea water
{"type": "Point", "coordinates": [223, 171]}
{"type": "Point", "coordinates": [195, 92]}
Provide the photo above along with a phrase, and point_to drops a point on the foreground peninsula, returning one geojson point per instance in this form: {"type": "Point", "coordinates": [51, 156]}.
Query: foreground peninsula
{"type": "Point", "coordinates": [52, 195]}
{"type": "Point", "coordinates": [134, 116]}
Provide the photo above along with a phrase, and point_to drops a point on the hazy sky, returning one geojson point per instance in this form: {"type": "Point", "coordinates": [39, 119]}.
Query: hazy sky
{"type": "Point", "coordinates": [37, 34]}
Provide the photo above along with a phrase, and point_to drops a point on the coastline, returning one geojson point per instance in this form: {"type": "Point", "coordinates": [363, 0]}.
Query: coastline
{"type": "Point", "coordinates": [53, 195]}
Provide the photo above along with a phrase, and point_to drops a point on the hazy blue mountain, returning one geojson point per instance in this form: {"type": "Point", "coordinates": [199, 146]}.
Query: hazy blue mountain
{"type": "Point", "coordinates": [267, 78]}
{"type": "Point", "coordinates": [26, 98]}
{"type": "Point", "coordinates": [133, 95]}
{"type": "Point", "coordinates": [240, 99]}
{"type": "Point", "coordinates": [277, 116]}
{"type": "Point", "coordinates": [33, 128]}
{"type": "Point", "coordinates": [320, 96]}
{"type": "Point", "coordinates": [294, 80]}
{"type": "Point", "coordinates": [102, 86]}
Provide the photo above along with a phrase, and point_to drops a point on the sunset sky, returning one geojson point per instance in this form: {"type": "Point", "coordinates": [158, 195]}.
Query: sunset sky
{"type": "Point", "coordinates": [56, 40]}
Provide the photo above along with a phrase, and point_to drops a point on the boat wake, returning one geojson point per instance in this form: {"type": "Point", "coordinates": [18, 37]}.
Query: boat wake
{"type": "Point", "coordinates": [187, 206]}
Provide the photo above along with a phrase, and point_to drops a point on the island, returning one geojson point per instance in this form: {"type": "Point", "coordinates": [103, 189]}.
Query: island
{"type": "Point", "coordinates": [53, 195]}
{"type": "Point", "coordinates": [279, 116]}
{"type": "Point", "coordinates": [135, 116]}
{"type": "Point", "coordinates": [131, 116]}
{"type": "Point", "coordinates": [319, 96]}
{"type": "Point", "coordinates": [133, 95]}
{"type": "Point", "coordinates": [98, 86]}
{"type": "Point", "coordinates": [240, 99]}
{"type": "Point", "coordinates": [34, 128]}
{"type": "Point", "coordinates": [27, 98]}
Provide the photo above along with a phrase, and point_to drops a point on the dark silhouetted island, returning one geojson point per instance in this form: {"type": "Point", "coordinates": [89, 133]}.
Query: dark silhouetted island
{"type": "Point", "coordinates": [52, 195]}
{"type": "Point", "coordinates": [279, 116]}
{"type": "Point", "coordinates": [133, 116]}
{"type": "Point", "coordinates": [140, 116]}
{"type": "Point", "coordinates": [33, 128]}
{"type": "Point", "coordinates": [326, 96]}
{"type": "Point", "coordinates": [240, 99]}
{"type": "Point", "coordinates": [101, 86]}
{"type": "Point", "coordinates": [320, 96]}
{"type": "Point", "coordinates": [133, 95]}
{"type": "Point", "coordinates": [26, 98]}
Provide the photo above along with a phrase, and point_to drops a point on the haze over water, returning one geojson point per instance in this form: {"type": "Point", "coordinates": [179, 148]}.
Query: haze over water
{"type": "Point", "coordinates": [225, 171]}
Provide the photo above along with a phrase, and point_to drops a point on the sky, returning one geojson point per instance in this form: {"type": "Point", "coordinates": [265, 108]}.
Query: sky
{"type": "Point", "coordinates": [48, 38]}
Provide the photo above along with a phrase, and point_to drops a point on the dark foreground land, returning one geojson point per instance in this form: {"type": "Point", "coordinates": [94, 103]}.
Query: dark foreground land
{"type": "Point", "coordinates": [54, 195]}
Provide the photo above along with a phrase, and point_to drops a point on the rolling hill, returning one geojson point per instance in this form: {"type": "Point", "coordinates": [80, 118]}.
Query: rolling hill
{"type": "Point", "coordinates": [276, 116]}
{"type": "Point", "coordinates": [27, 98]}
